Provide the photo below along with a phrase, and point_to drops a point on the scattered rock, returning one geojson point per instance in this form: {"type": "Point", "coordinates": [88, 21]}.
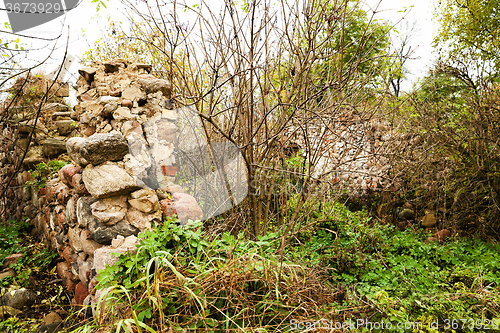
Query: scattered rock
{"type": "Point", "coordinates": [431, 239]}
{"type": "Point", "coordinates": [442, 235]}
{"type": "Point", "coordinates": [51, 328]}
{"type": "Point", "coordinates": [18, 298]}
{"type": "Point", "coordinates": [406, 214]}
{"type": "Point", "coordinates": [12, 259]}
{"type": "Point", "coordinates": [6, 273]}
{"type": "Point", "coordinates": [52, 317]}
{"type": "Point", "coordinates": [9, 311]}
{"type": "Point", "coordinates": [186, 207]}
{"type": "Point", "coordinates": [429, 220]}
{"type": "Point", "coordinates": [103, 147]}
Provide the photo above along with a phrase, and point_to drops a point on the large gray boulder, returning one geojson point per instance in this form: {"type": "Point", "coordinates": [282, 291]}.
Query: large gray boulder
{"type": "Point", "coordinates": [102, 147]}
{"type": "Point", "coordinates": [107, 180]}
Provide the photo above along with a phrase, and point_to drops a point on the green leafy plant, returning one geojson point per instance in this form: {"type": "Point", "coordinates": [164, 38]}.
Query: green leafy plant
{"type": "Point", "coordinates": [10, 241]}
{"type": "Point", "coordinates": [43, 172]}
{"type": "Point", "coordinates": [402, 277]}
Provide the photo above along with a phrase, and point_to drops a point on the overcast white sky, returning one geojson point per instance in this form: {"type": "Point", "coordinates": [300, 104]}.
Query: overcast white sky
{"type": "Point", "coordinates": [85, 26]}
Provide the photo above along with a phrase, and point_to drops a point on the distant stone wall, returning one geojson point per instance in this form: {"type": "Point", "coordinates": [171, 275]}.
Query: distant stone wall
{"type": "Point", "coordinates": [120, 139]}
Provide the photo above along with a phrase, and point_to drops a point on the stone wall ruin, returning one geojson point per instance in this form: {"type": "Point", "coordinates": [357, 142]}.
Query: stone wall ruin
{"type": "Point", "coordinates": [119, 140]}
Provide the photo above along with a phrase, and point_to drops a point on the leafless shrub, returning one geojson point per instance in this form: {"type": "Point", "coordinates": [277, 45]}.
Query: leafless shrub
{"type": "Point", "coordinates": [293, 84]}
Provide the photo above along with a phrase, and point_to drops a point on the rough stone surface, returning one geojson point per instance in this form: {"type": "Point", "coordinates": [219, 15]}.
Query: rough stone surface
{"type": "Point", "coordinates": [74, 239]}
{"type": "Point", "coordinates": [70, 215]}
{"type": "Point", "coordinates": [127, 103]}
{"type": "Point", "coordinates": [67, 172]}
{"type": "Point", "coordinates": [64, 127]}
{"type": "Point", "coordinates": [88, 73]}
{"type": "Point", "coordinates": [107, 180]}
{"type": "Point", "coordinates": [103, 147]}
{"type": "Point", "coordinates": [88, 244]}
{"type": "Point", "coordinates": [142, 221]}
{"type": "Point", "coordinates": [109, 109]}
{"type": "Point", "coordinates": [111, 210]}
{"type": "Point", "coordinates": [186, 207]}
{"type": "Point", "coordinates": [79, 185]}
{"type": "Point", "coordinates": [80, 294]}
{"type": "Point", "coordinates": [123, 113]}
{"type": "Point", "coordinates": [144, 200]}
{"type": "Point", "coordinates": [154, 85]}
{"type": "Point", "coordinates": [84, 212]}
{"type": "Point", "coordinates": [56, 107]}
{"type": "Point", "coordinates": [104, 235]}
{"type": "Point", "coordinates": [105, 255]}
{"type": "Point", "coordinates": [73, 146]}
{"type": "Point", "coordinates": [133, 93]}
{"type": "Point", "coordinates": [108, 99]}
{"type": "Point", "coordinates": [52, 147]}
{"type": "Point", "coordinates": [84, 268]}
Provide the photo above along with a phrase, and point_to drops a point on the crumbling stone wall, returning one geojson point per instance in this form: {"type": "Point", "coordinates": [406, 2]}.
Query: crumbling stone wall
{"type": "Point", "coordinates": [120, 139]}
